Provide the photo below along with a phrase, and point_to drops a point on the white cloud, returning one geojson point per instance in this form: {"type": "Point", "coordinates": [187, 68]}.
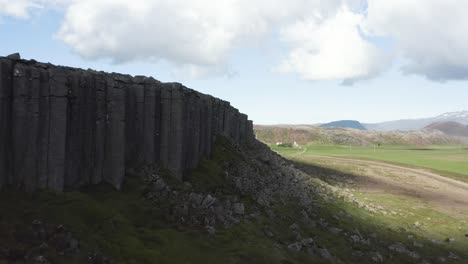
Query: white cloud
{"type": "Point", "coordinates": [194, 34]}
{"type": "Point", "coordinates": [23, 8]}
{"type": "Point", "coordinates": [332, 48]}
{"type": "Point", "coordinates": [18, 8]}
{"type": "Point", "coordinates": [430, 34]}
{"type": "Point", "coordinates": [325, 39]}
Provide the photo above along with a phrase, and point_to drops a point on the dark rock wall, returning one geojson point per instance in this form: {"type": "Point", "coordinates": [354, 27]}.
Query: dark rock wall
{"type": "Point", "coordinates": [63, 127]}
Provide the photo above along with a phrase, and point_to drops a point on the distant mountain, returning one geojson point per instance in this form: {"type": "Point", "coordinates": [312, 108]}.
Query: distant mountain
{"type": "Point", "coordinates": [417, 124]}
{"type": "Point", "coordinates": [450, 128]}
{"type": "Point", "coordinates": [345, 124]}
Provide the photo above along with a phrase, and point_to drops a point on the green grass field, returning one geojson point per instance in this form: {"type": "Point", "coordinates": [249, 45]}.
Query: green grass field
{"type": "Point", "coordinates": [450, 161]}
{"type": "Point", "coordinates": [398, 213]}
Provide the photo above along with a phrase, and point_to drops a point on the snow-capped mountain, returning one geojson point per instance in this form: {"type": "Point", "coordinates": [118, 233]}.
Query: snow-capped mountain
{"type": "Point", "coordinates": [417, 124]}
{"type": "Point", "coordinates": [454, 115]}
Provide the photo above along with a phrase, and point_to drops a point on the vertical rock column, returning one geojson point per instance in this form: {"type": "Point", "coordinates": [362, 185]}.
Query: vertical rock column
{"type": "Point", "coordinates": [87, 127]}
{"type": "Point", "coordinates": [143, 122]}
{"type": "Point", "coordinates": [135, 123]}
{"type": "Point", "coordinates": [176, 142]}
{"type": "Point", "coordinates": [242, 128]}
{"type": "Point", "coordinates": [100, 110]}
{"type": "Point", "coordinates": [43, 129]}
{"type": "Point", "coordinates": [250, 132]}
{"type": "Point", "coordinates": [58, 103]}
{"type": "Point", "coordinates": [192, 129]}
{"type": "Point", "coordinates": [80, 147]}
{"type": "Point", "coordinates": [165, 124]}
{"type": "Point", "coordinates": [217, 119]}
{"type": "Point", "coordinates": [75, 125]}
{"type": "Point", "coordinates": [6, 74]}
{"type": "Point", "coordinates": [205, 130]}
{"type": "Point", "coordinates": [25, 125]}
{"type": "Point", "coordinates": [114, 159]}
{"type": "Point", "coordinates": [149, 121]}
{"type": "Point", "coordinates": [227, 121]}
{"type": "Point", "coordinates": [157, 120]}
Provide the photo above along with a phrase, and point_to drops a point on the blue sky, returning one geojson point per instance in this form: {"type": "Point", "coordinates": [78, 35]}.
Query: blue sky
{"type": "Point", "coordinates": [247, 69]}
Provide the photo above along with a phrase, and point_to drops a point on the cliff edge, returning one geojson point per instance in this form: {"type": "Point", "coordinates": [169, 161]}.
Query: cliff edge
{"type": "Point", "coordinates": [64, 127]}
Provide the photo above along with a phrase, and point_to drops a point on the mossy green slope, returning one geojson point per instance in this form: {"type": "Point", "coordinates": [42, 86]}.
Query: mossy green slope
{"type": "Point", "coordinates": [126, 227]}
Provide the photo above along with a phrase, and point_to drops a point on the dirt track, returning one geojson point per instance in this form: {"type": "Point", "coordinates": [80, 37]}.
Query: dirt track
{"type": "Point", "coordinates": [373, 176]}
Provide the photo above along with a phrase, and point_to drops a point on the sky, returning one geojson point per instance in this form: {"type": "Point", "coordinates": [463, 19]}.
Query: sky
{"type": "Point", "coordinates": [280, 62]}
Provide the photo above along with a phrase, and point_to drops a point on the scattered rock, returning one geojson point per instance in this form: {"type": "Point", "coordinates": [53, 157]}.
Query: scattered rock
{"type": "Point", "coordinates": [36, 223]}
{"type": "Point", "coordinates": [305, 216]}
{"type": "Point", "coordinates": [307, 242]}
{"type": "Point", "coordinates": [324, 253]}
{"type": "Point", "coordinates": [187, 186]}
{"type": "Point", "coordinates": [377, 257]}
{"type": "Point", "coordinates": [211, 230]}
{"type": "Point", "coordinates": [296, 246]}
{"type": "Point", "coordinates": [182, 210]}
{"type": "Point", "coordinates": [267, 231]}
{"type": "Point", "coordinates": [413, 254]}
{"type": "Point", "coordinates": [417, 244]}
{"type": "Point", "coordinates": [323, 223]}
{"type": "Point", "coordinates": [239, 208]}
{"type": "Point", "coordinates": [294, 226]}
{"type": "Point", "coordinates": [39, 260]}
{"type": "Point", "coordinates": [453, 256]}
{"type": "Point", "coordinates": [208, 201]}
{"type": "Point", "coordinates": [442, 259]}
{"type": "Point", "coordinates": [296, 235]}
{"type": "Point", "coordinates": [335, 230]}
{"type": "Point", "coordinates": [355, 238]}
{"type": "Point", "coordinates": [398, 247]}
{"type": "Point", "coordinates": [97, 258]}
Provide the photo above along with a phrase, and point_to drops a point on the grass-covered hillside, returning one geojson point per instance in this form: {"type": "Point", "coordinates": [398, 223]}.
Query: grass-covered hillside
{"type": "Point", "coordinates": [245, 205]}
{"type": "Point", "coordinates": [304, 134]}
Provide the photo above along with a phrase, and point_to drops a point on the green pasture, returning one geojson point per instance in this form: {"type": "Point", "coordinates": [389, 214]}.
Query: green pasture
{"type": "Point", "coordinates": [450, 161]}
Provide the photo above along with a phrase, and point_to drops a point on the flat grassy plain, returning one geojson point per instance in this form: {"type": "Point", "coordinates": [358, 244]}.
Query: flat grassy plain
{"type": "Point", "coordinates": [449, 161]}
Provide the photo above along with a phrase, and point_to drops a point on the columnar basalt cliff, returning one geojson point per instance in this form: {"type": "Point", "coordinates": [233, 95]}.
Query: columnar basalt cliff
{"type": "Point", "coordinates": [64, 127]}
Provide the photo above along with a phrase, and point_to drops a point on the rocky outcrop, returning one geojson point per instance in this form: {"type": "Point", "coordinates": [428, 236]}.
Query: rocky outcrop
{"type": "Point", "coordinates": [64, 127]}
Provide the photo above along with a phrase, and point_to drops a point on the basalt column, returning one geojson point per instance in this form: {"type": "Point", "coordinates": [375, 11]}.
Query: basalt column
{"type": "Point", "coordinates": [6, 74]}
{"type": "Point", "coordinates": [176, 142]}
{"type": "Point", "coordinates": [62, 128]}
{"type": "Point", "coordinates": [192, 129]}
{"type": "Point", "coordinates": [149, 122]}
{"type": "Point", "coordinates": [114, 159]}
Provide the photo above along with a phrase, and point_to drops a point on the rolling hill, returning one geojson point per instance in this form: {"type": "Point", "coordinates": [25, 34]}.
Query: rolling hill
{"type": "Point", "coordinates": [449, 128]}
{"type": "Point", "coordinates": [303, 134]}
{"type": "Point", "coordinates": [345, 124]}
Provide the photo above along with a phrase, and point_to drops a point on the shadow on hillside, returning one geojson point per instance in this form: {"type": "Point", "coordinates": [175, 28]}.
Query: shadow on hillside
{"type": "Point", "coordinates": [337, 178]}
{"type": "Point", "coordinates": [368, 184]}
{"type": "Point", "coordinates": [364, 225]}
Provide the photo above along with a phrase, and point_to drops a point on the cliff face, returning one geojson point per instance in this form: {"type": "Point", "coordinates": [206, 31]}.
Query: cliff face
{"type": "Point", "coordinates": [63, 127]}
